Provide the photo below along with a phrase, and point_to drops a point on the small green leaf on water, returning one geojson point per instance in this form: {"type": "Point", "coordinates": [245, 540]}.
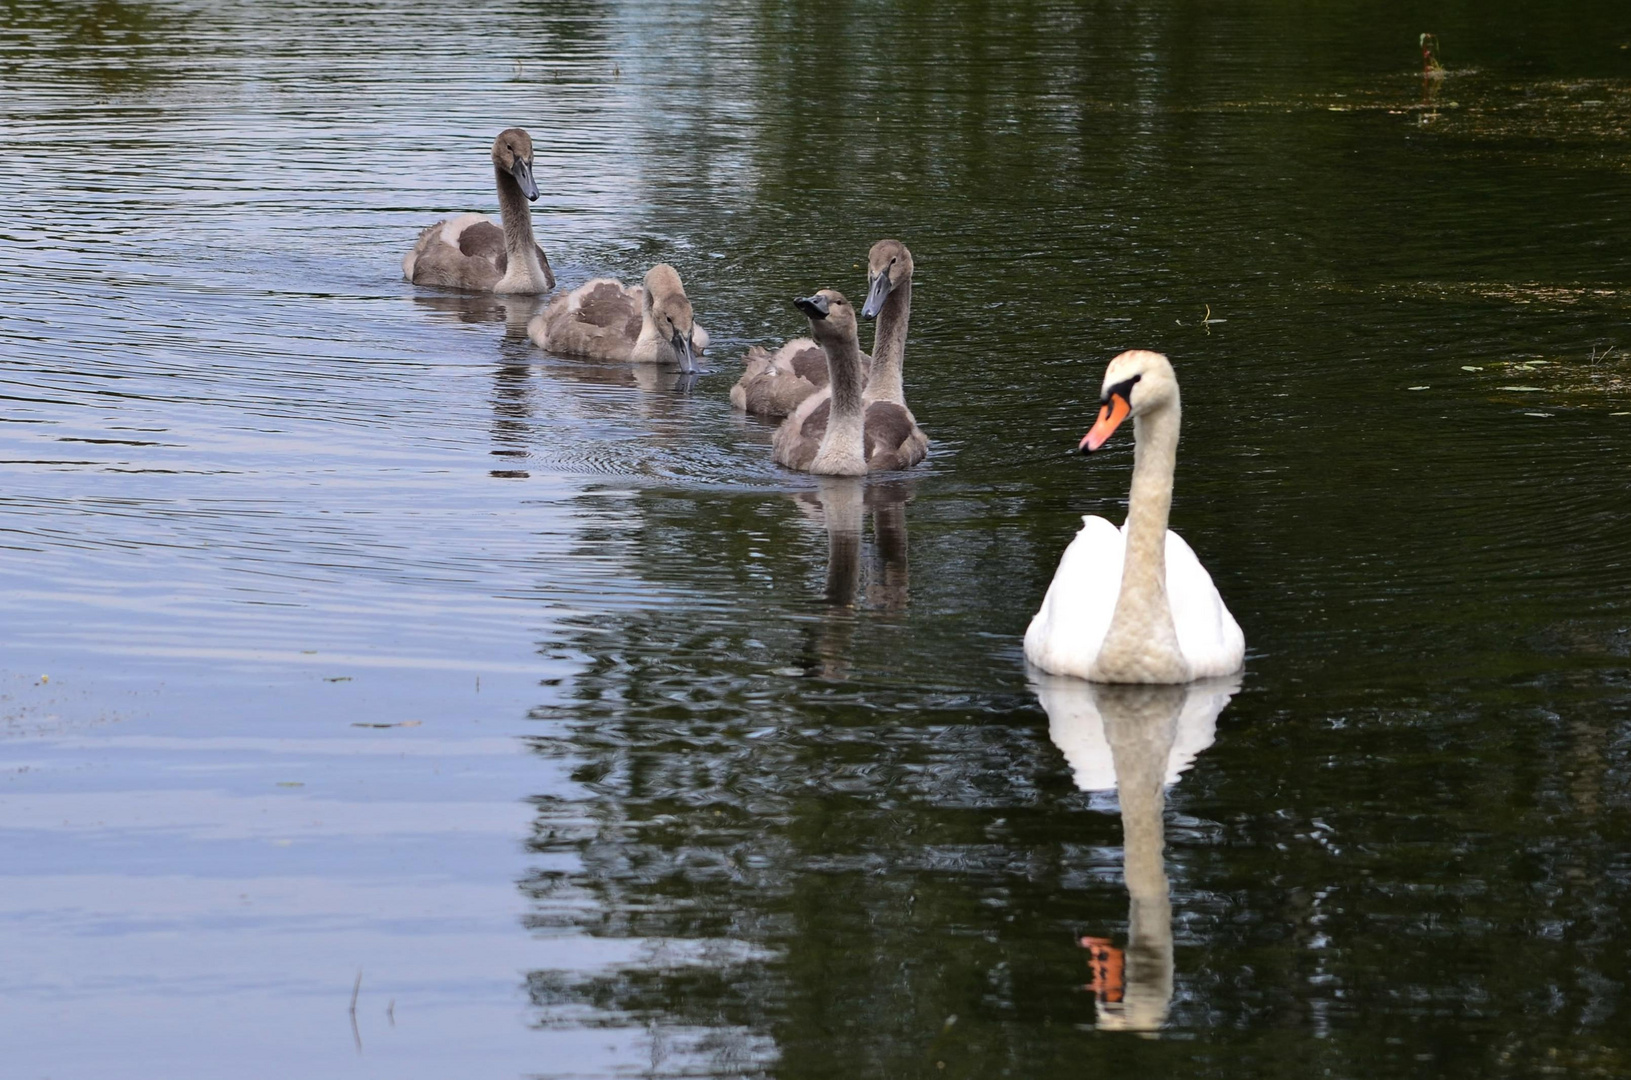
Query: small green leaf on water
{"type": "Point", "coordinates": [1469, 367]}
{"type": "Point", "coordinates": [1418, 388]}
{"type": "Point", "coordinates": [1525, 389]}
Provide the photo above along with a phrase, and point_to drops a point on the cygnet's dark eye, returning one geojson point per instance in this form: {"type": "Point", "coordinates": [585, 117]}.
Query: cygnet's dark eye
{"type": "Point", "coordinates": [892, 259]}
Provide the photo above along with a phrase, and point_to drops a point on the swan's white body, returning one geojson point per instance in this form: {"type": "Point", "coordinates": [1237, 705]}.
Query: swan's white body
{"type": "Point", "coordinates": [1065, 635]}
{"type": "Point", "coordinates": [1134, 605]}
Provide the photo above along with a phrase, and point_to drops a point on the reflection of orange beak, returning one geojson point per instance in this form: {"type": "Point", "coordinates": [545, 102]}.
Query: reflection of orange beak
{"type": "Point", "coordinates": [1106, 962]}
{"type": "Point", "coordinates": [1111, 414]}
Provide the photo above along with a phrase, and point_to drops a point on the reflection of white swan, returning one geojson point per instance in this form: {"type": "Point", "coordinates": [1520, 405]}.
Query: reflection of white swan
{"type": "Point", "coordinates": [1134, 605]}
{"type": "Point", "coordinates": [1135, 739]}
{"type": "Point", "coordinates": [1077, 727]}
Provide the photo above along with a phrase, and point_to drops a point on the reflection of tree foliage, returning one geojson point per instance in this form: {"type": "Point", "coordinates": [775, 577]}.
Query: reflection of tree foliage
{"type": "Point", "coordinates": [746, 807]}
{"type": "Point", "coordinates": [117, 44]}
{"type": "Point", "coordinates": [823, 864]}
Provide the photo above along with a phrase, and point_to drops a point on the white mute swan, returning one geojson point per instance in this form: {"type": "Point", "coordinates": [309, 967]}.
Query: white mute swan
{"type": "Point", "coordinates": [603, 319]}
{"type": "Point", "coordinates": [470, 252]}
{"type": "Point", "coordinates": [1134, 605]}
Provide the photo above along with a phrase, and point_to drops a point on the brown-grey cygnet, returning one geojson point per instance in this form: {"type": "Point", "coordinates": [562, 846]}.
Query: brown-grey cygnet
{"type": "Point", "coordinates": [470, 252]}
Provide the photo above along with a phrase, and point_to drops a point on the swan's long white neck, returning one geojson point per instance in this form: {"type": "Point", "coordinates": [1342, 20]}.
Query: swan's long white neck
{"type": "Point", "coordinates": [1141, 645]}
{"type": "Point", "coordinates": [843, 447]}
{"type": "Point", "coordinates": [520, 247]}
{"type": "Point", "coordinates": [889, 346]}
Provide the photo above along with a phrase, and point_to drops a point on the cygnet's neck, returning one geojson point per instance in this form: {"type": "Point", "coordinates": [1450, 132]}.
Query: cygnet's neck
{"type": "Point", "coordinates": [843, 447]}
{"type": "Point", "coordinates": [652, 345]}
{"type": "Point", "coordinates": [520, 247]}
{"type": "Point", "coordinates": [1141, 645]}
{"type": "Point", "coordinates": [889, 346]}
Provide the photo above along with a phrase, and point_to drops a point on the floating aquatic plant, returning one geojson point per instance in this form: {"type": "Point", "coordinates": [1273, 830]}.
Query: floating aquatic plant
{"type": "Point", "coordinates": [1431, 68]}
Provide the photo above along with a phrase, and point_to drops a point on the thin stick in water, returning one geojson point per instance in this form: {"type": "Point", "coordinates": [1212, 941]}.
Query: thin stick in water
{"type": "Point", "coordinates": [355, 988]}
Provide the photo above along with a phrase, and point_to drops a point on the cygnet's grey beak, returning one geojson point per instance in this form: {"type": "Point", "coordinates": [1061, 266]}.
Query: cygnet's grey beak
{"type": "Point", "coordinates": [875, 296]}
{"type": "Point", "coordinates": [813, 306]}
{"type": "Point", "coordinates": [523, 176]}
{"type": "Point", "coordinates": [683, 351]}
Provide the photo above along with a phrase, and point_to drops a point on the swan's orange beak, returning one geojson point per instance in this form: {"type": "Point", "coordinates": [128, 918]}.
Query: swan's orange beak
{"type": "Point", "coordinates": [1108, 965]}
{"type": "Point", "coordinates": [1111, 414]}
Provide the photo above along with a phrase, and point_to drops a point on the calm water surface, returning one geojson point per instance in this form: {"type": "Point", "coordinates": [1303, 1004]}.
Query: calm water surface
{"type": "Point", "coordinates": [347, 634]}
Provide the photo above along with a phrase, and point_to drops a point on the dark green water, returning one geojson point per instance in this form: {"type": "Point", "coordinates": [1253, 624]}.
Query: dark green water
{"type": "Point", "coordinates": [721, 772]}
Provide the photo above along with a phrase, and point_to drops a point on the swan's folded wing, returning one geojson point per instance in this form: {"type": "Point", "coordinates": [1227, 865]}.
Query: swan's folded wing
{"type": "Point", "coordinates": [438, 257]}
{"type": "Point", "coordinates": [1209, 636]}
{"type": "Point", "coordinates": [893, 439]}
{"type": "Point", "coordinates": [799, 437]}
{"type": "Point", "coordinates": [1065, 634]}
{"type": "Point", "coordinates": [606, 304]}
{"type": "Point", "coordinates": [484, 240]}
{"type": "Point", "coordinates": [805, 361]}
{"type": "Point", "coordinates": [544, 323]}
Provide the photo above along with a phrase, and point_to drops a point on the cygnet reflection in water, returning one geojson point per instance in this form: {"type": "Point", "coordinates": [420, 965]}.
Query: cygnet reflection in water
{"type": "Point", "coordinates": [514, 311]}
{"type": "Point", "coordinates": [1134, 739]}
{"type": "Point", "coordinates": [646, 377]}
{"type": "Point", "coordinates": [513, 407]}
{"type": "Point", "coordinates": [840, 503]}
